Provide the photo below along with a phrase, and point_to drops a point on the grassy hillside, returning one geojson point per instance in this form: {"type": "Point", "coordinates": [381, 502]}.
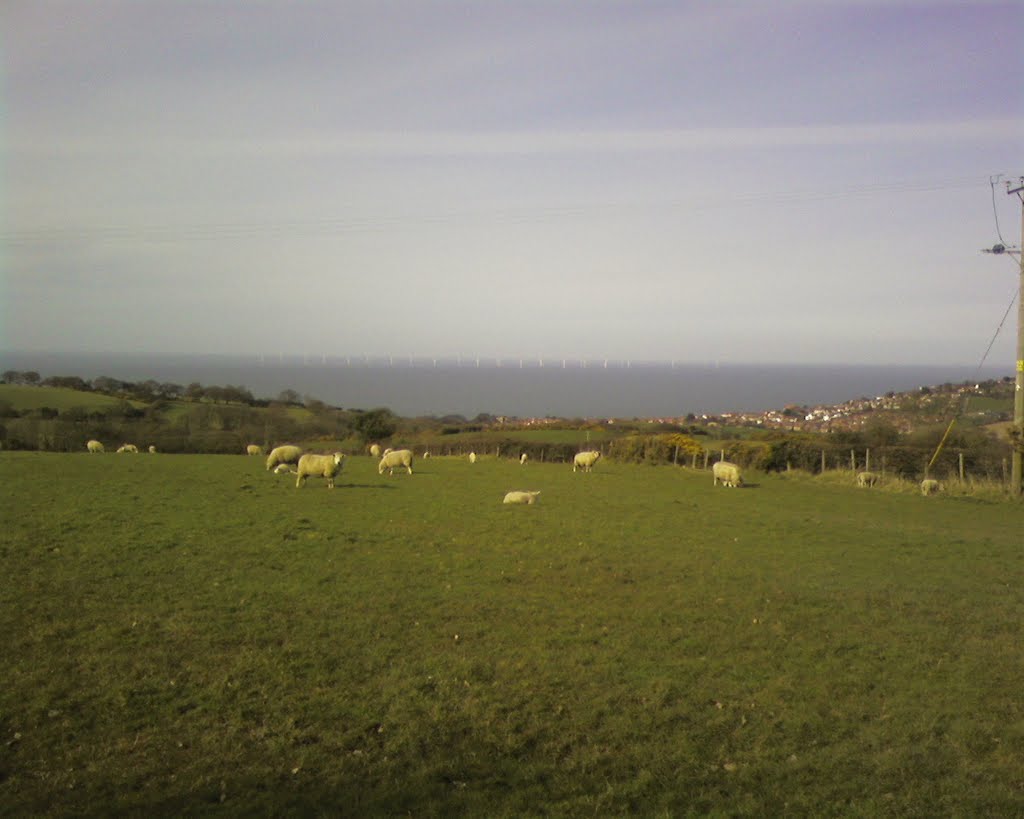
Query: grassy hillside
{"type": "Point", "coordinates": [192, 634]}
{"type": "Point", "coordinates": [24, 397]}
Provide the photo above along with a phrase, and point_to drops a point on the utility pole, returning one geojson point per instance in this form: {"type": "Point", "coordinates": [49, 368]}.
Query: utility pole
{"type": "Point", "coordinates": [1018, 395]}
{"type": "Point", "coordinates": [1016, 475]}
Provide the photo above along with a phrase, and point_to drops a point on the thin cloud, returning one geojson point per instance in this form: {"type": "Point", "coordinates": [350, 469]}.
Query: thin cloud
{"type": "Point", "coordinates": [501, 143]}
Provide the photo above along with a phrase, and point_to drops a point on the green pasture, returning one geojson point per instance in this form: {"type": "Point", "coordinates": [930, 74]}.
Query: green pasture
{"type": "Point", "coordinates": [192, 635]}
{"type": "Point", "coordinates": [26, 397]}
{"type": "Point", "coordinates": [582, 437]}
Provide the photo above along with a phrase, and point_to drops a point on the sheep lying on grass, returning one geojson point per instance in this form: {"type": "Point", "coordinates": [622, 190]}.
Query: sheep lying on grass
{"type": "Point", "coordinates": [930, 486]}
{"type": "Point", "coordinates": [393, 458]}
{"type": "Point", "coordinates": [519, 496]}
{"type": "Point", "coordinates": [867, 479]}
{"type": "Point", "coordinates": [254, 449]}
{"type": "Point", "coordinates": [585, 460]}
{"type": "Point", "coordinates": [127, 448]}
{"type": "Point", "coordinates": [728, 473]}
{"type": "Point", "coordinates": [291, 470]}
{"type": "Point", "coordinates": [94, 446]}
{"type": "Point", "coordinates": [326, 466]}
{"type": "Point", "coordinates": [286, 454]}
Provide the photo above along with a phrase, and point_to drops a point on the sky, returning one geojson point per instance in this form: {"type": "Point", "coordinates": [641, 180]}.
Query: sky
{"type": "Point", "coordinates": [795, 181]}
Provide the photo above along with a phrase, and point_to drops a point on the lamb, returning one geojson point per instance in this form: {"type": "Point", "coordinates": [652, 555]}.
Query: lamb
{"type": "Point", "coordinates": [472, 457]}
{"type": "Point", "coordinates": [326, 466]}
{"type": "Point", "coordinates": [521, 497]}
{"type": "Point", "coordinates": [727, 473]}
{"type": "Point", "coordinates": [867, 479]}
{"type": "Point", "coordinates": [522, 459]}
{"type": "Point", "coordinates": [283, 455]}
{"type": "Point", "coordinates": [930, 486]}
{"type": "Point", "coordinates": [94, 446]}
{"type": "Point", "coordinates": [393, 458]}
{"type": "Point", "coordinates": [254, 449]}
{"type": "Point", "coordinates": [285, 468]}
{"type": "Point", "coordinates": [374, 451]}
{"type": "Point", "coordinates": [585, 460]}
{"type": "Point", "coordinates": [127, 448]}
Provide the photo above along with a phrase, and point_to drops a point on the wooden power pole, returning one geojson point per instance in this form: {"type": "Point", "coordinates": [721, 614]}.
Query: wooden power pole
{"type": "Point", "coordinates": [1018, 395]}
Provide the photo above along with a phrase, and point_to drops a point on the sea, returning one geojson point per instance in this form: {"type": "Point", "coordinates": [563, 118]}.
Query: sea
{"type": "Point", "coordinates": [411, 386]}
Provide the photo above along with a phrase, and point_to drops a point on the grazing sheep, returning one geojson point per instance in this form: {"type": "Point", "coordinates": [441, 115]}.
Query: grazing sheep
{"type": "Point", "coordinates": [930, 486]}
{"type": "Point", "coordinates": [585, 460]}
{"type": "Point", "coordinates": [867, 479]}
{"type": "Point", "coordinates": [283, 455]}
{"type": "Point", "coordinates": [522, 459]}
{"type": "Point", "coordinates": [374, 451]}
{"type": "Point", "coordinates": [326, 466]}
{"type": "Point", "coordinates": [127, 448]}
{"type": "Point", "coordinates": [254, 449]}
{"type": "Point", "coordinates": [94, 446]}
{"type": "Point", "coordinates": [727, 473]}
{"type": "Point", "coordinates": [393, 458]}
{"type": "Point", "coordinates": [152, 450]}
{"type": "Point", "coordinates": [521, 497]}
{"type": "Point", "coordinates": [472, 457]}
{"type": "Point", "coordinates": [426, 455]}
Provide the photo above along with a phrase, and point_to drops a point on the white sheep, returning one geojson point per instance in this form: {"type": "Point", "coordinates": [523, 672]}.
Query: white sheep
{"type": "Point", "coordinates": [94, 446]}
{"type": "Point", "coordinates": [727, 473]}
{"type": "Point", "coordinates": [930, 486]}
{"type": "Point", "coordinates": [521, 496]}
{"type": "Point", "coordinates": [285, 468]}
{"type": "Point", "coordinates": [472, 457]}
{"type": "Point", "coordinates": [152, 450]}
{"type": "Point", "coordinates": [867, 479]}
{"type": "Point", "coordinates": [393, 458]}
{"type": "Point", "coordinates": [127, 448]}
{"type": "Point", "coordinates": [286, 454]}
{"type": "Point", "coordinates": [426, 454]}
{"type": "Point", "coordinates": [254, 449]}
{"type": "Point", "coordinates": [585, 460]}
{"type": "Point", "coordinates": [326, 466]}
{"type": "Point", "coordinates": [374, 451]}
{"type": "Point", "coordinates": [522, 459]}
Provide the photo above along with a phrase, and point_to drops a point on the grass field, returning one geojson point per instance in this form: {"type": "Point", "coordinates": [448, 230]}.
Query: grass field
{"type": "Point", "coordinates": [191, 635]}
{"type": "Point", "coordinates": [26, 397]}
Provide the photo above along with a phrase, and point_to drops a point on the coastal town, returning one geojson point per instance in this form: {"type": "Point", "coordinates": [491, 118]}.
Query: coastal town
{"type": "Point", "coordinates": [984, 402]}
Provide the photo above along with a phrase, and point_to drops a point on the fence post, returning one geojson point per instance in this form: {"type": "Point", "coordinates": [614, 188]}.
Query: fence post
{"type": "Point", "coordinates": [867, 459]}
{"type": "Point", "coordinates": [853, 461]}
{"type": "Point", "coordinates": [961, 467]}
{"type": "Point", "coordinates": [675, 457]}
{"type": "Point", "coordinates": [823, 464]}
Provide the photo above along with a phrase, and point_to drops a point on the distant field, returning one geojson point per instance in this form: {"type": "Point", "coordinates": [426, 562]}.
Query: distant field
{"type": "Point", "coordinates": [191, 634]}
{"type": "Point", "coordinates": [542, 436]}
{"type": "Point", "coordinates": [23, 397]}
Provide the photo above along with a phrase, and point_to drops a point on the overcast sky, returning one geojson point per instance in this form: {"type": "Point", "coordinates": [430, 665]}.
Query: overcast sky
{"type": "Point", "coordinates": [762, 181]}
